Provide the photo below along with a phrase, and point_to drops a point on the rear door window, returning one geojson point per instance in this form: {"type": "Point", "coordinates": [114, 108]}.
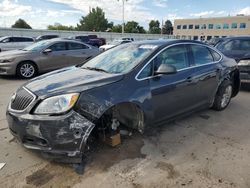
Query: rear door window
{"type": "Point", "coordinates": [201, 55]}
{"type": "Point", "coordinates": [28, 40]}
{"type": "Point", "coordinates": [76, 46]}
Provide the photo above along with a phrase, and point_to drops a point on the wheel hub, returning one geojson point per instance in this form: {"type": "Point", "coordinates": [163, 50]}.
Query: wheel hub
{"type": "Point", "coordinates": [27, 70]}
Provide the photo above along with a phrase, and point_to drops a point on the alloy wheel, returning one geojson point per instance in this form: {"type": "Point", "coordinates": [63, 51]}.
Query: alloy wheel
{"type": "Point", "coordinates": [27, 70]}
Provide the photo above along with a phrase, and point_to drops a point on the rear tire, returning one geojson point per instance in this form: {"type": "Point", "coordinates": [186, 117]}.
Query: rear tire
{"type": "Point", "coordinates": [223, 96]}
{"type": "Point", "coordinates": [26, 70]}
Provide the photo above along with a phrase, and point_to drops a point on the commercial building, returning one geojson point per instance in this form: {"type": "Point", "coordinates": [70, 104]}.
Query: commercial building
{"type": "Point", "coordinates": [207, 28]}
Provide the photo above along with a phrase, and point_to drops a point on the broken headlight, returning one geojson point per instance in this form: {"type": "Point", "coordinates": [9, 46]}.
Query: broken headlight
{"type": "Point", "coordinates": [57, 104]}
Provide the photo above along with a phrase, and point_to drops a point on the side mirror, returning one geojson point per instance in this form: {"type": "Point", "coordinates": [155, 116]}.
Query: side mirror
{"type": "Point", "coordinates": [46, 51]}
{"type": "Point", "coordinates": [166, 69]}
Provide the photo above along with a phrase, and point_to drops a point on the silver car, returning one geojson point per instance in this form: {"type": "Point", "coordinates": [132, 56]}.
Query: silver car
{"type": "Point", "coordinates": [13, 43]}
{"type": "Point", "coordinates": [45, 56]}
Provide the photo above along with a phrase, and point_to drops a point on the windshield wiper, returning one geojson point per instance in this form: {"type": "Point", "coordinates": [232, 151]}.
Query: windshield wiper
{"type": "Point", "coordinates": [96, 69]}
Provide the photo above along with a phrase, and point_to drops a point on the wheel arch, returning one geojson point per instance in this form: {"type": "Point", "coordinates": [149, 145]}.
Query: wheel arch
{"type": "Point", "coordinates": [30, 61]}
{"type": "Point", "coordinates": [235, 78]}
{"type": "Point", "coordinates": [128, 113]}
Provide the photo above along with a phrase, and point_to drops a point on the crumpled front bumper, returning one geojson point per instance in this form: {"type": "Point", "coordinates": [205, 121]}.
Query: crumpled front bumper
{"type": "Point", "coordinates": [62, 136]}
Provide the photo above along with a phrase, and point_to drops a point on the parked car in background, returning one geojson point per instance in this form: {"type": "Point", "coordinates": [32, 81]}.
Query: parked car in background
{"type": "Point", "coordinates": [132, 86]}
{"type": "Point", "coordinates": [45, 56]}
{"type": "Point", "coordinates": [103, 41]}
{"type": "Point", "coordinates": [238, 48]}
{"type": "Point", "coordinates": [92, 36]}
{"type": "Point", "coordinates": [82, 38]}
{"type": "Point", "coordinates": [12, 43]}
{"type": "Point", "coordinates": [127, 38]}
{"type": "Point", "coordinates": [95, 42]}
{"type": "Point", "coordinates": [113, 44]}
{"type": "Point", "coordinates": [46, 37]}
{"type": "Point", "coordinates": [214, 41]}
{"type": "Point", "coordinates": [90, 39]}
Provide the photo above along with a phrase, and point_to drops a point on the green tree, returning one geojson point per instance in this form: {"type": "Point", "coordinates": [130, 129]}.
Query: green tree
{"type": "Point", "coordinates": [154, 27]}
{"type": "Point", "coordinates": [94, 21]}
{"type": "Point", "coordinates": [58, 26]}
{"type": "Point", "coordinates": [20, 23]}
{"type": "Point", "coordinates": [168, 28]}
{"type": "Point", "coordinates": [110, 25]}
{"type": "Point", "coordinates": [117, 28]}
{"type": "Point", "coordinates": [134, 27]}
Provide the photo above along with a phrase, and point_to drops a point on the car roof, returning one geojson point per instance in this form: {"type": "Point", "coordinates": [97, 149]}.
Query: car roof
{"type": "Point", "coordinates": [64, 40]}
{"type": "Point", "coordinates": [15, 36]}
{"type": "Point", "coordinates": [236, 37]}
{"type": "Point", "coordinates": [165, 42]}
{"type": "Point", "coordinates": [48, 35]}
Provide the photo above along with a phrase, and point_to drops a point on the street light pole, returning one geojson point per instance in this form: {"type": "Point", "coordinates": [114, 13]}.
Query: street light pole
{"type": "Point", "coordinates": [123, 22]}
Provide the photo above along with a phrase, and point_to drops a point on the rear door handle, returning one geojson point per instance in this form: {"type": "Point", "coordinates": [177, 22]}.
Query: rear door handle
{"type": "Point", "coordinates": [189, 79]}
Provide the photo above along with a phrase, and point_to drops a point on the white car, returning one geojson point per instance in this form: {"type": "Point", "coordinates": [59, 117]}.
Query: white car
{"type": "Point", "coordinates": [113, 44]}
{"type": "Point", "coordinates": [13, 43]}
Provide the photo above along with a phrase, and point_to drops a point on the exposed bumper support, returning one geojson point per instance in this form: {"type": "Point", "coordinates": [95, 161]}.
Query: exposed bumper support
{"type": "Point", "coordinates": [62, 136]}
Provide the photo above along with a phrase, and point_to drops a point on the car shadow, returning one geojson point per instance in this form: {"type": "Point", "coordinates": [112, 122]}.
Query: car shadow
{"type": "Point", "coordinates": [8, 77]}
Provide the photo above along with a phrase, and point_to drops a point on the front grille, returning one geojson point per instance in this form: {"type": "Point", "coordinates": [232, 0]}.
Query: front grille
{"type": "Point", "coordinates": [22, 100]}
{"type": "Point", "coordinates": [2, 70]}
{"type": "Point", "coordinates": [244, 69]}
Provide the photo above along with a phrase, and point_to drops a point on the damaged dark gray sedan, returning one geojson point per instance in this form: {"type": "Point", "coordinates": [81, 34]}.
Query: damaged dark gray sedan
{"type": "Point", "coordinates": [136, 85]}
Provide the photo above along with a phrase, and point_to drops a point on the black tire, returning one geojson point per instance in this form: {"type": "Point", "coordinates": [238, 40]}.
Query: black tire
{"type": "Point", "coordinates": [223, 95]}
{"type": "Point", "coordinates": [29, 67]}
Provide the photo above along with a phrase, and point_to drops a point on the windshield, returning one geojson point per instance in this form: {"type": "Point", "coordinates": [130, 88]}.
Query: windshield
{"type": "Point", "coordinates": [120, 59]}
{"type": "Point", "coordinates": [38, 46]}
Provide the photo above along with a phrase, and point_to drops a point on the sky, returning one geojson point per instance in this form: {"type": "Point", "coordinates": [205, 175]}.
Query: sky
{"type": "Point", "coordinates": [41, 13]}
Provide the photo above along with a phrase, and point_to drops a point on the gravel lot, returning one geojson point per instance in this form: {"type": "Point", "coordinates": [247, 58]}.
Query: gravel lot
{"type": "Point", "coordinates": [206, 149]}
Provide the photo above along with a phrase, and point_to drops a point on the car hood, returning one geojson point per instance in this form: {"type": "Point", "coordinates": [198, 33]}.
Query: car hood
{"type": "Point", "coordinates": [13, 53]}
{"type": "Point", "coordinates": [68, 80]}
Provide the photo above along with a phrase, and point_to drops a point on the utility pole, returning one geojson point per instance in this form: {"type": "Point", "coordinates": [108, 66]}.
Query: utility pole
{"type": "Point", "coordinates": [162, 26]}
{"type": "Point", "coordinates": [123, 17]}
